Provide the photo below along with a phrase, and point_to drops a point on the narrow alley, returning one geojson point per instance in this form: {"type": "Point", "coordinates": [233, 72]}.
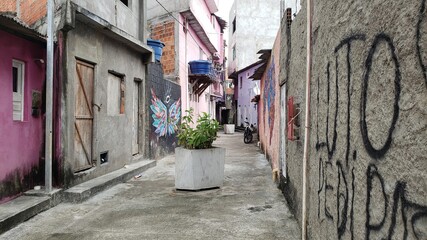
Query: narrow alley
{"type": "Point", "coordinates": [248, 206]}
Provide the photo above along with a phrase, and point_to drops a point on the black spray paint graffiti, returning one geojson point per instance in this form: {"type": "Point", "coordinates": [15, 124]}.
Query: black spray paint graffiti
{"type": "Point", "coordinates": [342, 197]}
{"type": "Point", "coordinates": [399, 196]}
{"type": "Point", "coordinates": [372, 151]}
{"type": "Point", "coordinates": [345, 202]}
{"type": "Point", "coordinates": [421, 19]}
{"type": "Point", "coordinates": [342, 192]}
{"type": "Point", "coordinates": [347, 42]}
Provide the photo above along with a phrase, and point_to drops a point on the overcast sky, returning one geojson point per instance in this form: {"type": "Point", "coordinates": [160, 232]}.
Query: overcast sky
{"type": "Point", "coordinates": [224, 12]}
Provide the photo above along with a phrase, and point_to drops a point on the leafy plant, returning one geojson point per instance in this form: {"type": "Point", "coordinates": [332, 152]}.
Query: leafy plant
{"type": "Point", "coordinates": [200, 137]}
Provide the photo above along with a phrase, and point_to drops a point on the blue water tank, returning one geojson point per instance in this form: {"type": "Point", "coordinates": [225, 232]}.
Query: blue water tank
{"type": "Point", "coordinates": [200, 67]}
{"type": "Point", "coordinates": [157, 46]}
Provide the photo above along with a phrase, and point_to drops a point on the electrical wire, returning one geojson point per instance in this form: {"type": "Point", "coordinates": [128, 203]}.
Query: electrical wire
{"type": "Point", "coordinates": [170, 14]}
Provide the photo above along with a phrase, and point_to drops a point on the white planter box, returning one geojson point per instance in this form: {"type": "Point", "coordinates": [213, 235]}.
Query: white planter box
{"type": "Point", "coordinates": [228, 128]}
{"type": "Point", "coordinates": [197, 169]}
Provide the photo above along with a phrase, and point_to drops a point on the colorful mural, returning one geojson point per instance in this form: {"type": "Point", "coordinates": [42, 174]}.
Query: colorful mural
{"type": "Point", "coordinates": [269, 96]}
{"type": "Point", "coordinates": [166, 115]}
{"type": "Point", "coordinates": [164, 112]}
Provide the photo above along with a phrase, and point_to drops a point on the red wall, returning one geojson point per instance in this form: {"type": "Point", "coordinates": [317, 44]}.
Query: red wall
{"type": "Point", "coordinates": [20, 142]}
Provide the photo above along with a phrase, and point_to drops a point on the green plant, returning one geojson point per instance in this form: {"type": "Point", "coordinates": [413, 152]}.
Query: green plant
{"type": "Point", "coordinates": [200, 137]}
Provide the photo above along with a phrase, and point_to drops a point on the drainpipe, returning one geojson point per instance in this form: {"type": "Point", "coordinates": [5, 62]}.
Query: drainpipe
{"type": "Point", "coordinates": [307, 126]}
{"type": "Point", "coordinates": [49, 98]}
{"type": "Point", "coordinates": [187, 93]}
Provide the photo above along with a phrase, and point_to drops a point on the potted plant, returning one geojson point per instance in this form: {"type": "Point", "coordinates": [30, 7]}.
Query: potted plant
{"type": "Point", "coordinates": [198, 165]}
{"type": "Point", "coordinates": [229, 126]}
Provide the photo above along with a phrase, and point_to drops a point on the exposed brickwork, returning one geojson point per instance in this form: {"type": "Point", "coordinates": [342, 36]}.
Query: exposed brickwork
{"type": "Point", "coordinates": [8, 6]}
{"type": "Point", "coordinates": [165, 32]}
{"type": "Point", "coordinates": [32, 10]}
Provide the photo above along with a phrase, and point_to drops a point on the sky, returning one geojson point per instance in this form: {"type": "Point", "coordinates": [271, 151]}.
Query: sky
{"type": "Point", "coordinates": [224, 12]}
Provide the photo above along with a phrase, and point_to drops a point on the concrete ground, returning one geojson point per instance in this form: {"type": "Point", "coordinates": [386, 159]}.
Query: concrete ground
{"type": "Point", "coordinates": [248, 206]}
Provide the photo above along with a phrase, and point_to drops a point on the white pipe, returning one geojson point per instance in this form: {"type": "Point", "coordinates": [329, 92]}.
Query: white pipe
{"type": "Point", "coordinates": [307, 126]}
{"type": "Point", "coordinates": [187, 92]}
{"type": "Point", "coordinates": [49, 98]}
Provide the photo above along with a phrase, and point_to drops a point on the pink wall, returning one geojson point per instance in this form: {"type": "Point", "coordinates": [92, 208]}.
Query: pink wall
{"type": "Point", "coordinates": [269, 107]}
{"type": "Point", "coordinates": [192, 53]}
{"type": "Point", "coordinates": [20, 142]}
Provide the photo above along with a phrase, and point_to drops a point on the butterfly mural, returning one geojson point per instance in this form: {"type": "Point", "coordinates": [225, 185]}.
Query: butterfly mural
{"type": "Point", "coordinates": [165, 115]}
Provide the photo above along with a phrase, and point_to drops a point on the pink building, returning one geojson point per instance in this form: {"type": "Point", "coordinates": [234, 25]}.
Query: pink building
{"type": "Point", "coordinates": [269, 104]}
{"type": "Point", "coordinates": [193, 33]}
{"type": "Point", "coordinates": [22, 74]}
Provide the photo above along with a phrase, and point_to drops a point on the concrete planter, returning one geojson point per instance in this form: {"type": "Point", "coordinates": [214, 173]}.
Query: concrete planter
{"type": "Point", "coordinates": [228, 128]}
{"type": "Point", "coordinates": [197, 169]}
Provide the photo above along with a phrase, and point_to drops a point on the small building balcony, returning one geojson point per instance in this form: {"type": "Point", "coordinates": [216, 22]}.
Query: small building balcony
{"type": "Point", "coordinates": [201, 75]}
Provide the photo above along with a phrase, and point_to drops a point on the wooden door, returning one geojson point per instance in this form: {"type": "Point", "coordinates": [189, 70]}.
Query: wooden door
{"type": "Point", "coordinates": [83, 116]}
{"type": "Point", "coordinates": [135, 119]}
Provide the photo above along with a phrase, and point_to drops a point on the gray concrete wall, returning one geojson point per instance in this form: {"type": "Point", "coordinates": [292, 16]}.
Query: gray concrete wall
{"type": "Point", "coordinates": [154, 9]}
{"type": "Point", "coordinates": [126, 18]}
{"type": "Point", "coordinates": [257, 24]}
{"type": "Point", "coordinates": [111, 133]}
{"type": "Point", "coordinates": [368, 145]}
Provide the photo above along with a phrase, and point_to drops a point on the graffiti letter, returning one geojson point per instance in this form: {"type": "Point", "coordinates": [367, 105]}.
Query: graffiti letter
{"type": "Point", "coordinates": [371, 173]}
{"type": "Point", "coordinates": [379, 153]}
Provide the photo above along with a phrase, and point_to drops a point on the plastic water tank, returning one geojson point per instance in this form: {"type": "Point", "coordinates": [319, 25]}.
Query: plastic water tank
{"type": "Point", "coordinates": [157, 46]}
{"type": "Point", "coordinates": [200, 67]}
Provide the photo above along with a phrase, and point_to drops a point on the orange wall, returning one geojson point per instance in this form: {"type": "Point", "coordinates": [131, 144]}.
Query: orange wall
{"type": "Point", "coordinates": [165, 32]}
{"type": "Point", "coordinates": [8, 6]}
{"type": "Point", "coordinates": [30, 10]}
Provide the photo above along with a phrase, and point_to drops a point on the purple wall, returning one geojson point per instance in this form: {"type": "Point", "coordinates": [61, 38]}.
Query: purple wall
{"type": "Point", "coordinates": [245, 92]}
{"type": "Point", "coordinates": [20, 141]}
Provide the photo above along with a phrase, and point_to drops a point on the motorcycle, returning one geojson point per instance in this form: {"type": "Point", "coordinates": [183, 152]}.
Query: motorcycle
{"type": "Point", "coordinates": [247, 136]}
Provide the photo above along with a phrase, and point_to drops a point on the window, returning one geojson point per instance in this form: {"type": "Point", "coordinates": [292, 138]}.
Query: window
{"type": "Point", "coordinates": [18, 69]}
{"type": "Point", "coordinates": [234, 24]}
{"type": "Point", "coordinates": [234, 52]}
{"type": "Point", "coordinates": [115, 94]}
{"type": "Point", "coordinates": [241, 82]}
{"type": "Point", "coordinates": [213, 18]}
{"type": "Point", "coordinates": [125, 2]}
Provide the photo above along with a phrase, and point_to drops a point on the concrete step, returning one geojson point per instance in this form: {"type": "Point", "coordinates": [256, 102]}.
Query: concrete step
{"type": "Point", "coordinates": [21, 209]}
{"type": "Point", "coordinates": [84, 191]}
{"type": "Point", "coordinates": [33, 202]}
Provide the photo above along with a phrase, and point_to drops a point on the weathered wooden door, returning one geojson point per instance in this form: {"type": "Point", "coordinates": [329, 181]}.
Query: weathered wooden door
{"type": "Point", "coordinates": [83, 116]}
{"type": "Point", "coordinates": [135, 119]}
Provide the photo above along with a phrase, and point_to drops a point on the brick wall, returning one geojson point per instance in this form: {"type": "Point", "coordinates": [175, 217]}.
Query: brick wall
{"type": "Point", "coordinates": [30, 10]}
{"type": "Point", "coordinates": [33, 10]}
{"type": "Point", "coordinates": [165, 32]}
{"type": "Point", "coordinates": [8, 6]}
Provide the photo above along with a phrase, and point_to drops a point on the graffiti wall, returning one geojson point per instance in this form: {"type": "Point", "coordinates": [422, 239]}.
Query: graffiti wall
{"type": "Point", "coordinates": [368, 158]}
{"type": "Point", "coordinates": [164, 114]}
{"type": "Point", "coordinates": [269, 106]}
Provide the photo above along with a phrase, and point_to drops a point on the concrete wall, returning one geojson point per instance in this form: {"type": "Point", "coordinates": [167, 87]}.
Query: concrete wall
{"type": "Point", "coordinates": [126, 18]}
{"type": "Point", "coordinates": [255, 20]}
{"type": "Point", "coordinates": [247, 90]}
{"type": "Point", "coordinates": [21, 142]}
{"type": "Point", "coordinates": [165, 98]}
{"type": "Point", "coordinates": [112, 133]}
{"type": "Point", "coordinates": [269, 107]}
{"type": "Point", "coordinates": [367, 165]}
